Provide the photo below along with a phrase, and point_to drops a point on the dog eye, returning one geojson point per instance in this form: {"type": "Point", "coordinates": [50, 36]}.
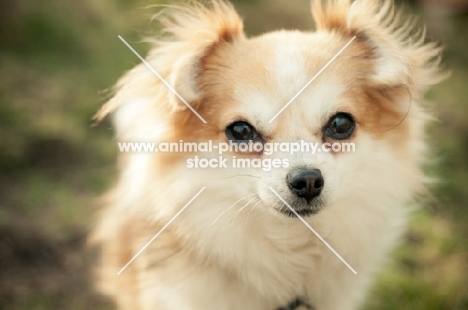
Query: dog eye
{"type": "Point", "coordinates": [340, 127]}
{"type": "Point", "coordinates": [241, 131]}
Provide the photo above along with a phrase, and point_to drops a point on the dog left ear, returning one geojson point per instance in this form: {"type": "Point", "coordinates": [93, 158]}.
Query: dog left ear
{"type": "Point", "coordinates": [195, 32]}
{"type": "Point", "coordinates": [396, 55]}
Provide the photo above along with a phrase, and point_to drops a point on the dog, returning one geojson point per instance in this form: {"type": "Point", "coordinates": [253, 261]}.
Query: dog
{"type": "Point", "coordinates": [240, 242]}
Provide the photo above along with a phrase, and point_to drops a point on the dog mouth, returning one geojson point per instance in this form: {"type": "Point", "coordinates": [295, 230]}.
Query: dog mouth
{"type": "Point", "coordinates": [303, 213]}
{"type": "Point", "coordinates": [303, 208]}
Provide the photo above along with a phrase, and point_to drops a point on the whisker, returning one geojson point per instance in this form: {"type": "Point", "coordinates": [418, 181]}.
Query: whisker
{"type": "Point", "coordinates": [248, 215]}
{"type": "Point", "coordinates": [222, 213]}
{"type": "Point", "coordinates": [245, 206]}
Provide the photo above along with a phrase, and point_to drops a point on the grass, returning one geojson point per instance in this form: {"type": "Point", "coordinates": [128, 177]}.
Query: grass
{"type": "Point", "coordinates": [56, 58]}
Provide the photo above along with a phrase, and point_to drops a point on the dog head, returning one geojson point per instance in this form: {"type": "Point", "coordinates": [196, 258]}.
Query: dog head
{"type": "Point", "coordinates": [356, 80]}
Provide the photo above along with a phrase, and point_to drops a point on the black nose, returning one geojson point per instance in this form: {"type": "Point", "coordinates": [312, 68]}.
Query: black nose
{"type": "Point", "coordinates": [305, 183]}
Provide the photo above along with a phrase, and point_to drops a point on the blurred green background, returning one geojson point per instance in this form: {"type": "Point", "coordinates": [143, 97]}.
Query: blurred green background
{"type": "Point", "coordinates": [57, 58]}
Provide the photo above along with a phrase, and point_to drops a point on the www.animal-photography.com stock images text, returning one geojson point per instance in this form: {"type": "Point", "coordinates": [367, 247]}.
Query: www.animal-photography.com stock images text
{"type": "Point", "coordinates": [234, 155]}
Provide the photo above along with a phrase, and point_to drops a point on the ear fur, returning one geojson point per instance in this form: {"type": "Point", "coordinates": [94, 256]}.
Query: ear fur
{"type": "Point", "coordinates": [194, 32]}
{"type": "Point", "coordinates": [399, 55]}
{"type": "Point", "coordinates": [190, 34]}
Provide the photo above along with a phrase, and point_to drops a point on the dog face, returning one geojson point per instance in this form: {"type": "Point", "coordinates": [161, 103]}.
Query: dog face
{"type": "Point", "coordinates": [266, 73]}
{"type": "Point", "coordinates": [364, 96]}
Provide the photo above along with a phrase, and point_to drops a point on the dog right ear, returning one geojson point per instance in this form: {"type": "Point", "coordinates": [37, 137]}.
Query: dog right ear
{"type": "Point", "coordinates": [194, 32]}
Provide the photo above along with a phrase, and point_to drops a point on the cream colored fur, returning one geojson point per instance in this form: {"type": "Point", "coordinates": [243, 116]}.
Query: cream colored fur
{"type": "Point", "coordinates": [232, 248]}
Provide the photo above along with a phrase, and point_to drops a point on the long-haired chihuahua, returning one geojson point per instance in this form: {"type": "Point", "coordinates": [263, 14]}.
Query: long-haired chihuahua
{"type": "Point", "coordinates": [245, 237]}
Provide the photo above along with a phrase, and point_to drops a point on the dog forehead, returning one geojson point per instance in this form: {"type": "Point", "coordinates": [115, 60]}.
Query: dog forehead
{"type": "Point", "coordinates": [288, 62]}
{"type": "Point", "coordinates": [289, 70]}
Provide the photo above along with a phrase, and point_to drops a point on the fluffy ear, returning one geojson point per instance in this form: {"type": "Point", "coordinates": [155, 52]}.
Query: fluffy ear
{"type": "Point", "coordinates": [397, 53]}
{"type": "Point", "coordinates": [194, 32]}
